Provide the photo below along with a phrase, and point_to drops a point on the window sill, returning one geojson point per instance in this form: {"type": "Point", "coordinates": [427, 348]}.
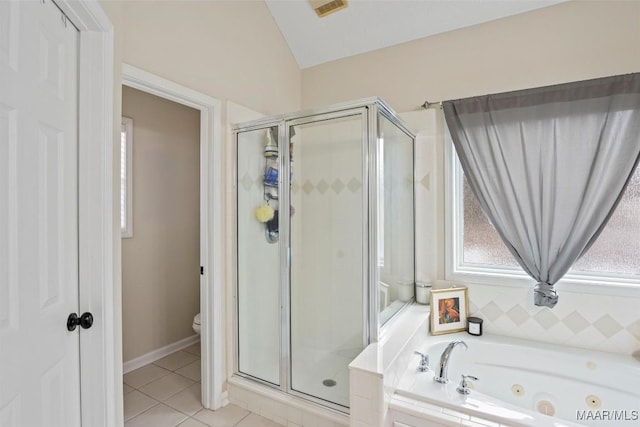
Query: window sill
{"type": "Point", "coordinates": [618, 286]}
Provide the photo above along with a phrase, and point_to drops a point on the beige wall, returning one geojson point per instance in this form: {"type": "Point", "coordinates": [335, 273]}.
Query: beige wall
{"type": "Point", "coordinates": [160, 264]}
{"type": "Point", "coordinates": [226, 49]}
{"type": "Point", "coordinates": [230, 50]}
{"type": "Point", "coordinates": [572, 41]}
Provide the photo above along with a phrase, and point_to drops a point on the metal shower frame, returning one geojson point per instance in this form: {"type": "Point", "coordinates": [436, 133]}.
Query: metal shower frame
{"type": "Point", "coordinates": [369, 109]}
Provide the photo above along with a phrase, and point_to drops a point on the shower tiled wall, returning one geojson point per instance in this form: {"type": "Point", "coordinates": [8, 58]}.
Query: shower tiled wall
{"type": "Point", "coordinates": [326, 235]}
{"type": "Point", "coordinates": [600, 322]}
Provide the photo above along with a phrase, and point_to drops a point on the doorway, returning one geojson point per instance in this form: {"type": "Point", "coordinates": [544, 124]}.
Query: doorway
{"type": "Point", "coordinates": [211, 194]}
{"type": "Point", "coordinates": [160, 225]}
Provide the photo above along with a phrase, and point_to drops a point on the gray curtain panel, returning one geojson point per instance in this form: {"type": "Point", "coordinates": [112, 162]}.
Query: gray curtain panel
{"type": "Point", "coordinates": [548, 166]}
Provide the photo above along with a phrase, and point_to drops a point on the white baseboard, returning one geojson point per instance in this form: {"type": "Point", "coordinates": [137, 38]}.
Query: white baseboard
{"type": "Point", "coordinates": [154, 355]}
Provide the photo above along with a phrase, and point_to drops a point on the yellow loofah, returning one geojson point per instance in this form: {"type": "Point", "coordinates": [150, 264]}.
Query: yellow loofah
{"type": "Point", "coordinates": [264, 213]}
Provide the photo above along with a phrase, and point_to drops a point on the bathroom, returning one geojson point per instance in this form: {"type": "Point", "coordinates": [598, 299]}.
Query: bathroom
{"type": "Point", "coordinates": [161, 233]}
{"type": "Point", "coordinates": [252, 94]}
{"type": "Point", "coordinates": [245, 63]}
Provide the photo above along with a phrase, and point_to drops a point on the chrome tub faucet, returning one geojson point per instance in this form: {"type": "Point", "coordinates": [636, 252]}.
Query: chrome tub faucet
{"type": "Point", "coordinates": [424, 362]}
{"type": "Point", "coordinates": [444, 361]}
{"type": "Point", "coordinates": [464, 388]}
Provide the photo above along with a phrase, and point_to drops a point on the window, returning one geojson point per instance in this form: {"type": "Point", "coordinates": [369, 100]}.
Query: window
{"type": "Point", "coordinates": [126, 161]}
{"type": "Point", "coordinates": [475, 251]}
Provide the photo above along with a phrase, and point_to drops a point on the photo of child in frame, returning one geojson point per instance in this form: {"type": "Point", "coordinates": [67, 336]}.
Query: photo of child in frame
{"type": "Point", "coordinates": [449, 310]}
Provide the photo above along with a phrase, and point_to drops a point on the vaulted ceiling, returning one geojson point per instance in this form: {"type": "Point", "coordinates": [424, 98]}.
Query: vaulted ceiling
{"type": "Point", "coordinates": [367, 25]}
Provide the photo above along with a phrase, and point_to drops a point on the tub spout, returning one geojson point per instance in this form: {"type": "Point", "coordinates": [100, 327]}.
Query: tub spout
{"type": "Point", "coordinates": [444, 361]}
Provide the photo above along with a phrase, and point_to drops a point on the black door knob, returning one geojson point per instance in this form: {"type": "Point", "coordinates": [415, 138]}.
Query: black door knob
{"type": "Point", "coordinates": [85, 321]}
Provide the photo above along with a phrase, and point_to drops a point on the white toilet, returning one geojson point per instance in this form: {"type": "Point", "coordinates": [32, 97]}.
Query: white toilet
{"type": "Point", "coordinates": [196, 324]}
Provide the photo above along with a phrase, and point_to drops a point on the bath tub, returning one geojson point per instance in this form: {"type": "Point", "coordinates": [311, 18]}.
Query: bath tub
{"type": "Point", "coordinates": [520, 381]}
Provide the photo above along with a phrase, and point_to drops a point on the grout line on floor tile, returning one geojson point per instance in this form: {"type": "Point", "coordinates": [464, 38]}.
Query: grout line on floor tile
{"type": "Point", "coordinates": [143, 412]}
{"type": "Point", "coordinates": [162, 401]}
{"type": "Point", "coordinates": [241, 419]}
{"type": "Point", "coordinates": [174, 370]}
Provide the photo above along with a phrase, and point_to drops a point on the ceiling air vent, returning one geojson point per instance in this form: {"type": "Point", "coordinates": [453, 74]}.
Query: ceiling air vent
{"type": "Point", "coordinates": [326, 7]}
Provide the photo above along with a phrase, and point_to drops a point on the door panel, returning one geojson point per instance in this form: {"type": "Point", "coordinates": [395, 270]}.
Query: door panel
{"type": "Point", "coordinates": [258, 262]}
{"type": "Point", "coordinates": [328, 263]}
{"type": "Point", "coordinates": [39, 358]}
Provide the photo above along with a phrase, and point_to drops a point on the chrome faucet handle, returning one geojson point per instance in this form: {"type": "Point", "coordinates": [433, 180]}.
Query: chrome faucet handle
{"type": "Point", "coordinates": [424, 362]}
{"type": "Point", "coordinates": [463, 388]}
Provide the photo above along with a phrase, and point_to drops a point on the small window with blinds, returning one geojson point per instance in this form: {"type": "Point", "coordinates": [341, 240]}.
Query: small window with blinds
{"type": "Point", "coordinates": [126, 175]}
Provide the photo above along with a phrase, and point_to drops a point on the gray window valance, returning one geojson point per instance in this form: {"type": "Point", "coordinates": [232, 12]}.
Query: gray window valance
{"type": "Point", "coordinates": [548, 166]}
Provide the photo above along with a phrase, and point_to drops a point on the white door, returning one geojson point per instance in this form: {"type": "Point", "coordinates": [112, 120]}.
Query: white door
{"type": "Point", "coordinates": [39, 358]}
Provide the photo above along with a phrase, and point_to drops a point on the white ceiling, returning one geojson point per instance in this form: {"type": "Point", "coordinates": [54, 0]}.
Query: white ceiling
{"type": "Point", "coordinates": [367, 25]}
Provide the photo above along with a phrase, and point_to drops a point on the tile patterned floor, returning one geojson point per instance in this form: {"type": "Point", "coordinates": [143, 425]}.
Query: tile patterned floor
{"type": "Point", "coordinates": [166, 393]}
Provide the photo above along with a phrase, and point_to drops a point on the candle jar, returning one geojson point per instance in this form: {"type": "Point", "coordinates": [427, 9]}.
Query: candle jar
{"type": "Point", "coordinates": [474, 326]}
{"type": "Point", "coordinates": [423, 292]}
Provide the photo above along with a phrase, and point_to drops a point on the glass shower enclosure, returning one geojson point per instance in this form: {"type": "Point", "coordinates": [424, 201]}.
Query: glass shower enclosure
{"type": "Point", "coordinates": [325, 243]}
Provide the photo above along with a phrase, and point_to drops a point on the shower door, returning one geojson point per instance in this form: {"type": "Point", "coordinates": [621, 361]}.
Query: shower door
{"type": "Point", "coordinates": [259, 278]}
{"type": "Point", "coordinates": [325, 243]}
{"type": "Point", "coordinates": [328, 252]}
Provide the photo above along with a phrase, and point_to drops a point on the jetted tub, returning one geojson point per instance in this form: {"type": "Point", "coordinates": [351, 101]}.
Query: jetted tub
{"type": "Point", "coordinates": [519, 381]}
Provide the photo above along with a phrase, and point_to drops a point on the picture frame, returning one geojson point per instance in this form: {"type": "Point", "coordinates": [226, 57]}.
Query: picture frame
{"type": "Point", "coordinates": [449, 310]}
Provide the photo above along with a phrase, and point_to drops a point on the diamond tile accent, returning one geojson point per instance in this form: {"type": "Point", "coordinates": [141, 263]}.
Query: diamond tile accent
{"type": "Point", "coordinates": [582, 321]}
{"type": "Point", "coordinates": [408, 182]}
{"type": "Point", "coordinates": [576, 322]}
{"type": "Point", "coordinates": [337, 186]}
{"type": "Point", "coordinates": [634, 329]}
{"type": "Point", "coordinates": [607, 326]}
{"type": "Point", "coordinates": [246, 181]}
{"type": "Point", "coordinates": [307, 187]}
{"type": "Point", "coordinates": [322, 186]}
{"type": "Point", "coordinates": [546, 318]}
{"type": "Point", "coordinates": [518, 314]}
{"type": "Point", "coordinates": [426, 182]}
{"type": "Point", "coordinates": [354, 185]}
{"type": "Point", "coordinates": [492, 311]}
